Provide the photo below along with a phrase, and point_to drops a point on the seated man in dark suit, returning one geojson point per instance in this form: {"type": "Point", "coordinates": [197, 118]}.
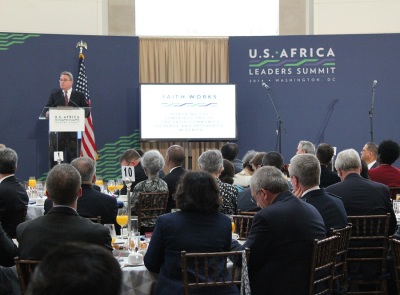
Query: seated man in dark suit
{"type": "Point", "coordinates": [324, 154]}
{"type": "Point", "coordinates": [369, 154]}
{"type": "Point", "coordinates": [62, 224]}
{"type": "Point", "coordinates": [304, 172]}
{"type": "Point", "coordinates": [13, 196]}
{"type": "Point", "coordinates": [281, 237]}
{"type": "Point", "coordinates": [174, 160]}
{"type": "Point", "coordinates": [132, 158]}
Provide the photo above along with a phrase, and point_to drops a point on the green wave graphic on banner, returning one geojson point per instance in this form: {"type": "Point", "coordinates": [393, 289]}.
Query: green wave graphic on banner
{"type": "Point", "coordinates": [7, 40]}
{"type": "Point", "coordinates": [107, 165]}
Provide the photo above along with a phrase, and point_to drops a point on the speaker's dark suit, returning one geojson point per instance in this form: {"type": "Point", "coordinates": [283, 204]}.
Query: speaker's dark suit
{"type": "Point", "coordinates": [61, 225]}
{"type": "Point", "coordinates": [328, 177]}
{"type": "Point", "coordinates": [65, 141]}
{"type": "Point", "coordinates": [281, 241]}
{"type": "Point", "coordinates": [330, 207]}
{"type": "Point", "coordinates": [172, 180]}
{"type": "Point", "coordinates": [13, 199]}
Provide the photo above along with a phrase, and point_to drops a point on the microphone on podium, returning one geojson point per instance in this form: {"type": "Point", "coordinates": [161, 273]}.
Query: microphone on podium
{"type": "Point", "coordinates": [374, 83]}
{"type": "Point", "coordinates": [266, 86]}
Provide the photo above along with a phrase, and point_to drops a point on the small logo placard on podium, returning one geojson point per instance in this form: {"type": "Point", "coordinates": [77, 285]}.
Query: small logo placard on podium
{"type": "Point", "coordinates": [66, 120]}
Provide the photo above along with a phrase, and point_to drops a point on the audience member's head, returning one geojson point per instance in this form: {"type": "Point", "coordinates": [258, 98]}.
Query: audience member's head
{"type": "Point", "coordinates": [305, 147]}
{"type": "Point", "coordinates": [228, 172]}
{"type": "Point", "coordinates": [325, 153]}
{"type": "Point", "coordinates": [152, 162]}
{"type": "Point", "coordinates": [364, 169]}
{"type": "Point", "coordinates": [79, 269]}
{"type": "Point", "coordinates": [86, 168]}
{"type": "Point", "coordinates": [388, 152]}
{"type": "Point", "coordinates": [8, 161]}
{"type": "Point", "coordinates": [348, 161]}
{"type": "Point", "coordinates": [198, 192]}
{"type": "Point", "coordinates": [2, 146]}
{"type": "Point", "coordinates": [247, 158]}
{"type": "Point", "coordinates": [130, 158]}
{"type": "Point", "coordinates": [256, 162]}
{"type": "Point", "coordinates": [63, 185]}
{"type": "Point", "coordinates": [211, 161]}
{"type": "Point", "coordinates": [266, 183]}
{"type": "Point", "coordinates": [175, 156]}
{"type": "Point", "coordinates": [230, 151]}
{"type": "Point", "coordinates": [305, 171]}
{"type": "Point", "coordinates": [274, 159]}
{"type": "Point", "coordinates": [369, 153]}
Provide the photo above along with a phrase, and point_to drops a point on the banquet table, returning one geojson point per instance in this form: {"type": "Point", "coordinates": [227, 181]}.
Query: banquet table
{"type": "Point", "coordinates": [34, 211]}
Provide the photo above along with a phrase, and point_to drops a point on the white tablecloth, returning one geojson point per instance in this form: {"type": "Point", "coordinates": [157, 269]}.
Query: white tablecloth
{"type": "Point", "coordinates": [34, 211]}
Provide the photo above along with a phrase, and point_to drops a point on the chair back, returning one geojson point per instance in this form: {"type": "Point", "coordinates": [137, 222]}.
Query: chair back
{"type": "Point", "coordinates": [150, 205]}
{"type": "Point", "coordinates": [396, 261]}
{"type": "Point", "coordinates": [323, 265]}
{"type": "Point", "coordinates": [368, 249]}
{"type": "Point", "coordinates": [251, 213]}
{"type": "Point", "coordinates": [242, 225]}
{"type": "Point", "coordinates": [340, 273]}
{"type": "Point", "coordinates": [96, 219]}
{"type": "Point", "coordinates": [394, 190]}
{"type": "Point", "coordinates": [25, 269]}
{"type": "Point", "coordinates": [214, 270]}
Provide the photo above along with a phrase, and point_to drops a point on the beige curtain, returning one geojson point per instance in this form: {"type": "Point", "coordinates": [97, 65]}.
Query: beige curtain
{"type": "Point", "coordinates": [183, 60]}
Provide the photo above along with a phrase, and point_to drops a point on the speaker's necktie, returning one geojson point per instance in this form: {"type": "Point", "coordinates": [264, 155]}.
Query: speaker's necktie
{"type": "Point", "coordinates": [66, 98]}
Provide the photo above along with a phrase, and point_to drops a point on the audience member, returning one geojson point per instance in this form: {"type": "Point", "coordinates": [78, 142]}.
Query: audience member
{"type": "Point", "coordinates": [325, 154]}
{"type": "Point", "coordinates": [2, 146]}
{"type": "Point", "coordinates": [388, 153]}
{"type": "Point", "coordinates": [8, 249]}
{"type": "Point", "coordinates": [79, 269]}
{"type": "Point", "coordinates": [62, 224]}
{"type": "Point", "coordinates": [132, 158]}
{"type": "Point", "coordinates": [152, 162]}
{"type": "Point", "coordinates": [304, 172]}
{"type": "Point", "coordinates": [228, 172]}
{"type": "Point", "coordinates": [360, 196]}
{"type": "Point", "coordinates": [9, 283]}
{"type": "Point", "coordinates": [369, 154]}
{"type": "Point", "coordinates": [230, 152]}
{"type": "Point", "coordinates": [243, 177]}
{"type": "Point", "coordinates": [174, 160]}
{"type": "Point", "coordinates": [305, 147]}
{"type": "Point", "coordinates": [13, 196]}
{"type": "Point", "coordinates": [256, 161]}
{"type": "Point", "coordinates": [281, 237]}
{"type": "Point", "coordinates": [275, 159]}
{"type": "Point", "coordinates": [198, 227]}
{"type": "Point", "coordinates": [211, 161]}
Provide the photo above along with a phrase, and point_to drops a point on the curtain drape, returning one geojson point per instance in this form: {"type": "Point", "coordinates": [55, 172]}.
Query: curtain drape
{"type": "Point", "coordinates": [183, 60]}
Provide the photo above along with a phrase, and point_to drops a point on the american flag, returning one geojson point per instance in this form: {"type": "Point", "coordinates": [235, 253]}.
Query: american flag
{"type": "Point", "coordinates": [88, 144]}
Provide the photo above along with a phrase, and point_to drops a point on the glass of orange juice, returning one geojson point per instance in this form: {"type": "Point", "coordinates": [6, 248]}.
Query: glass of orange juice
{"type": "Point", "coordinates": [119, 184]}
{"type": "Point", "coordinates": [31, 184]}
{"type": "Point", "coordinates": [122, 219]}
{"type": "Point", "coordinates": [233, 225]}
{"type": "Point", "coordinates": [100, 182]}
{"type": "Point", "coordinates": [111, 186]}
{"type": "Point", "coordinates": [111, 229]}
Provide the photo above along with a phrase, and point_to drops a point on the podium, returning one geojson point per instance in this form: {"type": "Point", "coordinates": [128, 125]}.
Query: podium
{"type": "Point", "coordinates": [65, 126]}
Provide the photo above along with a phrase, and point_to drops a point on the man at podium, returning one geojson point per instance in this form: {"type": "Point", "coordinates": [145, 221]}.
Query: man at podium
{"type": "Point", "coordinates": [66, 142]}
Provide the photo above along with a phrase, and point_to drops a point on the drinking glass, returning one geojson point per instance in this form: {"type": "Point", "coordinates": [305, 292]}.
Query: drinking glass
{"type": "Point", "coordinates": [233, 225]}
{"type": "Point", "coordinates": [100, 182]}
{"type": "Point", "coordinates": [111, 229]}
{"type": "Point", "coordinates": [119, 184]}
{"type": "Point", "coordinates": [31, 184]}
{"type": "Point", "coordinates": [122, 219]}
{"type": "Point", "coordinates": [39, 189]}
{"type": "Point", "coordinates": [111, 186]}
{"type": "Point", "coordinates": [134, 224]}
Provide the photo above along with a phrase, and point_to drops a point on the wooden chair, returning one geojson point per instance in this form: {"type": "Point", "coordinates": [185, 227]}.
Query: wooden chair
{"type": "Point", "coordinates": [367, 252]}
{"type": "Point", "coordinates": [150, 205]}
{"type": "Point", "coordinates": [214, 270]}
{"type": "Point", "coordinates": [25, 270]}
{"type": "Point", "coordinates": [96, 219]}
{"type": "Point", "coordinates": [242, 225]}
{"type": "Point", "coordinates": [323, 265]}
{"type": "Point", "coordinates": [340, 274]}
{"type": "Point", "coordinates": [250, 213]}
{"type": "Point", "coordinates": [393, 192]}
{"type": "Point", "coordinates": [396, 261]}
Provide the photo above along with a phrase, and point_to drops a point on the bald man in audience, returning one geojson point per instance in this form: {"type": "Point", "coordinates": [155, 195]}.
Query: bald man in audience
{"type": "Point", "coordinates": [304, 171]}
{"type": "Point", "coordinates": [62, 224]}
{"type": "Point", "coordinates": [174, 160]}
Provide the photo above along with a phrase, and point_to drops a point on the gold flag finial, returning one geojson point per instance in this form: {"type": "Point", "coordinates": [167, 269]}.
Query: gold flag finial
{"type": "Point", "coordinates": [81, 45]}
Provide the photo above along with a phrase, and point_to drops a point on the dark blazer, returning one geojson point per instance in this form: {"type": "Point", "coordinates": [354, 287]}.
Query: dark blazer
{"type": "Point", "coordinates": [8, 250]}
{"type": "Point", "coordinates": [62, 224]}
{"type": "Point", "coordinates": [330, 207]}
{"type": "Point", "coordinates": [244, 202]}
{"type": "Point", "coordinates": [281, 241]}
{"type": "Point", "coordinates": [189, 231]}
{"type": "Point", "coordinates": [328, 177]}
{"type": "Point", "coordinates": [362, 196]}
{"type": "Point", "coordinates": [172, 180]}
{"type": "Point", "coordinates": [13, 199]}
{"type": "Point", "coordinates": [77, 99]}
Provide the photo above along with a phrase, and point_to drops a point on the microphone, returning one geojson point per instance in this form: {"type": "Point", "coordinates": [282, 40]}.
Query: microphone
{"type": "Point", "coordinates": [374, 83]}
{"type": "Point", "coordinates": [266, 86]}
